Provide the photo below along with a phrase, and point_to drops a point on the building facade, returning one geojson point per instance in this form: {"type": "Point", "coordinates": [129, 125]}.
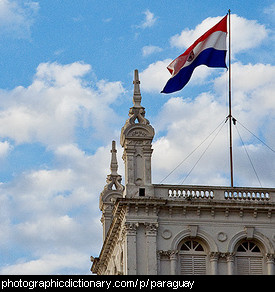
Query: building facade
{"type": "Point", "coordinates": [179, 229]}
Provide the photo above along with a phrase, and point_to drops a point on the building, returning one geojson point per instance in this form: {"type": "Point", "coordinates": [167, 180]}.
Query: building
{"type": "Point", "coordinates": [179, 229]}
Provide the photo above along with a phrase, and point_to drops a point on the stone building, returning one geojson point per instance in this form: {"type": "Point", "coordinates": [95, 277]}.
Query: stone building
{"type": "Point", "coordinates": [179, 229]}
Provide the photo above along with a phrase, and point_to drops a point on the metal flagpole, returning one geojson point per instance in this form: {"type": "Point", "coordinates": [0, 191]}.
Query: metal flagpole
{"type": "Point", "coordinates": [229, 93]}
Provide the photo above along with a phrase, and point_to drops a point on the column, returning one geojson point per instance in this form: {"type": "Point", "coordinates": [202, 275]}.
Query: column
{"type": "Point", "coordinates": [151, 243]}
{"type": "Point", "coordinates": [214, 256]}
{"type": "Point", "coordinates": [270, 263]}
{"type": "Point", "coordinates": [230, 263]}
{"type": "Point", "coordinates": [174, 261]}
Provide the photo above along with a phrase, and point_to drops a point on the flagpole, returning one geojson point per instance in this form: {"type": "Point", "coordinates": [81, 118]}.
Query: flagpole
{"type": "Point", "coordinates": [229, 96]}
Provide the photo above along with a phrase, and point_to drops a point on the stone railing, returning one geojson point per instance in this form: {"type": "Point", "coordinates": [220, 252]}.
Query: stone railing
{"type": "Point", "coordinates": [189, 194]}
{"type": "Point", "coordinates": [247, 195]}
{"type": "Point", "coordinates": [211, 193]}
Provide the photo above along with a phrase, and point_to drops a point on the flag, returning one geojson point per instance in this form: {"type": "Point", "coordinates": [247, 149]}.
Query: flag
{"type": "Point", "coordinates": [209, 50]}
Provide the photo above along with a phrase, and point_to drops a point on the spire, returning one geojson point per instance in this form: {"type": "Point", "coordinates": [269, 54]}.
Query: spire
{"type": "Point", "coordinates": [114, 165]}
{"type": "Point", "coordinates": [112, 190]}
{"type": "Point", "coordinates": [137, 95]}
{"type": "Point", "coordinates": [137, 112]}
{"type": "Point", "coordinates": [114, 179]}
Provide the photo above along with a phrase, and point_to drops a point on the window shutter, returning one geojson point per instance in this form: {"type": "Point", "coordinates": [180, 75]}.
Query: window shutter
{"type": "Point", "coordinates": [249, 265]}
{"type": "Point", "coordinates": [193, 264]}
{"type": "Point", "coordinates": [256, 266]}
{"type": "Point", "coordinates": [242, 265]}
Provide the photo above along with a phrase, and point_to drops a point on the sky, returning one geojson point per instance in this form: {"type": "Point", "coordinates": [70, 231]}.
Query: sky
{"type": "Point", "coordinates": [65, 92]}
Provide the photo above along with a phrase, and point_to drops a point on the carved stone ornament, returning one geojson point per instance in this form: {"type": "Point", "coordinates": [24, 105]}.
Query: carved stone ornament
{"type": "Point", "coordinates": [114, 181]}
{"type": "Point", "coordinates": [166, 234]}
{"type": "Point", "coordinates": [170, 254]}
{"type": "Point", "coordinates": [164, 253]}
{"type": "Point", "coordinates": [270, 257]}
{"type": "Point", "coordinates": [137, 114]}
{"type": "Point", "coordinates": [214, 256]}
{"type": "Point", "coordinates": [138, 133]}
{"type": "Point", "coordinates": [151, 228]}
{"type": "Point", "coordinates": [222, 236]}
{"type": "Point", "coordinates": [130, 228]}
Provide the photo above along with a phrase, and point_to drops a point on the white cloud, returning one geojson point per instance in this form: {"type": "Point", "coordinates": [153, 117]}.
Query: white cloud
{"type": "Point", "coordinates": [270, 10]}
{"type": "Point", "coordinates": [58, 100]}
{"type": "Point", "coordinates": [16, 19]}
{"type": "Point", "coordinates": [49, 264]}
{"type": "Point", "coordinates": [149, 50]}
{"type": "Point", "coordinates": [187, 122]}
{"type": "Point", "coordinates": [5, 148]}
{"type": "Point", "coordinates": [246, 34]}
{"type": "Point", "coordinates": [48, 210]}
{"type": "Point", "coordinates": [252, 87]}
{"type": "Point", "coordinates": [155, 76]}
{"type": "Point", "coordinates": [149, 20]}
{"type": "Point", "coordinates": [46, 213]}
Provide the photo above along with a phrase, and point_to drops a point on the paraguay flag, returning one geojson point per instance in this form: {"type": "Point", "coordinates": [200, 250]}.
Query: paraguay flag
{"type": "Point", "coordinates": [209, 50]}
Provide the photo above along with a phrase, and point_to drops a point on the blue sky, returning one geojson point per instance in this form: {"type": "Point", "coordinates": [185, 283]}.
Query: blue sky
{"type": "Point", "coordinates": [65, 92]}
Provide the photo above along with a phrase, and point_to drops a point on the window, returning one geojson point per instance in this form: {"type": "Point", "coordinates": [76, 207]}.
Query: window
{"type": "Point", "coordinates": [249, 259]}
{"type": "Point", "coordinates": [192, 258]}
{"type": "Point", "coordinates": [141, 192]}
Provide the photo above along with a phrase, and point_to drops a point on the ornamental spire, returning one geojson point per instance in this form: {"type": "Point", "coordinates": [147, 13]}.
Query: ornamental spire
{"type": "Point", "coordinates": [137, 112]}
{"type": "Point", "coordinates": [114, 179]}
{"type": "Point", "coordinates": [137, 94]}
{"type": "Point", "coordinates": [114, 165]}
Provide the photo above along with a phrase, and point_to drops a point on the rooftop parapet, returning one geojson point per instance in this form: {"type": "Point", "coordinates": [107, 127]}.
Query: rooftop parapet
{"type": "Point", "coordinates": [215, 193]}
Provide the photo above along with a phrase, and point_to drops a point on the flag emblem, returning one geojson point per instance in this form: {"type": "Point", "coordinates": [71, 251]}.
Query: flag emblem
{"type": "Point", "coordinates": [191, 56]}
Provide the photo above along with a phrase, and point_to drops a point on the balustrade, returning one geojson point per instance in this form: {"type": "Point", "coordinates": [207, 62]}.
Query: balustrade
{"type": "Point", "coordinates": [190, 194]}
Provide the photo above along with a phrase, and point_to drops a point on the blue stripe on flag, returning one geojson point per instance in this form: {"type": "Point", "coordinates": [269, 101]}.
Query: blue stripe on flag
{"type": "Point", "coordinates": [209, 57]}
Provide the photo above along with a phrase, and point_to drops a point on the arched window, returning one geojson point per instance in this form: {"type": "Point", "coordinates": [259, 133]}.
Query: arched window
{"type": "Point", "coordinates": [249, 259]}
{"type": "Point", "coordinates": [192, 258]}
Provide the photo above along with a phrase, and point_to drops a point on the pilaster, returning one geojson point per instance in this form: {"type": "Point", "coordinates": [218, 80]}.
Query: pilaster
{"type": "Point", "coordinates": [130, 248]}
{"type": "Point", "coordinates": [151, 247]}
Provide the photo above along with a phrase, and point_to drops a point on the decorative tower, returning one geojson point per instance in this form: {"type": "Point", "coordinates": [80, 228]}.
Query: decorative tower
{"type": "Point", "coordinates": [136, 139]}
{"type": "Point", "coordinates": [112, 190]}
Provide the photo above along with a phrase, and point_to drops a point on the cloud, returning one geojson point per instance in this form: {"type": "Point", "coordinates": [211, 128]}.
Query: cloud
{"type": "Point", "coordinates": [17, 18]}
{"type": "Point", "coordinates": [270, 10]}
{"type": "Point", "coordinates": [59, 99]}
{"type": "Point", "coordinates": [5, 148]}
{"type": "Point", "coordinates": [148, 50]}
{"type": "Point", "coordinates": [45, 214]}
{"type": "Point", "coordinates": [149, 20]}
{"type": "Point", "coordinates": [155, 76]}
{"type": "Point", "coordinates": [246, 34]}
{"type": "Point", "coordinates": [49, 264]}
{"type": "Point", "coordinates": [46, 211]}
{"type": "Point", "coordinates": [187, 122]}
